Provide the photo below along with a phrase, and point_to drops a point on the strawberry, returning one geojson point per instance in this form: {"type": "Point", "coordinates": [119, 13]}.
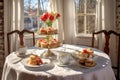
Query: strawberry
{"type": "Point", "coordinates": [39, 61]}
{"type": "Point", "coordinates": [85, 51]}
{"type": "Point", "coordinates": [40, 40]}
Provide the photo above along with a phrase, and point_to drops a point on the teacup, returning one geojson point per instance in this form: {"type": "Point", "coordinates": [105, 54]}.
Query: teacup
{"type": "Point", "coordinates": [63, 58]}
{"type": "Point", "coordinates": [22, 50]}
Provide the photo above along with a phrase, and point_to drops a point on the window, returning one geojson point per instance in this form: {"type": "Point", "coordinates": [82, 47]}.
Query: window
{"type": "Point", "coordinates": [86, 16]}
{"type": "Point", "coordinates": [33, 9]}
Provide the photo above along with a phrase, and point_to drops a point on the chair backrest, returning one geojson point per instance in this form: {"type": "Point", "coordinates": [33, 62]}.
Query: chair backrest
{"type": "Point", "coordinates": [107, 35]}
{"type": "Point", "coordinates": [21, 37]}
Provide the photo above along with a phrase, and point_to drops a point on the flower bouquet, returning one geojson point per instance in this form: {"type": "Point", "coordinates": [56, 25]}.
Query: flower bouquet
{"type": "Point", "coordinates": [49, 18]}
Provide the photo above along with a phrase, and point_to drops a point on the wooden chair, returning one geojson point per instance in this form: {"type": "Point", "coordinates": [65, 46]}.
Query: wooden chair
{"type": "Point", "coordinates": [21, 37]}
{"type": "Point", "coordinates": [107, 35]}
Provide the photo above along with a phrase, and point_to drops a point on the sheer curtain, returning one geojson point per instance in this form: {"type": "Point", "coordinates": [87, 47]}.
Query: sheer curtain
{"type": "Point", "coordinates": [108, 15]}
{"type": "Point", "coordinates": [13, 14]}
{"type": "Point", "coordinates": [57, 6]}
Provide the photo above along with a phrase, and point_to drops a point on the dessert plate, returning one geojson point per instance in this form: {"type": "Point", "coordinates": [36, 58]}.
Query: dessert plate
{"type": "Point", "coordinates": [42, 67]}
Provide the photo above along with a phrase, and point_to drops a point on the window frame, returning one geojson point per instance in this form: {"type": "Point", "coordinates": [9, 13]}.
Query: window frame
{"type": "Point", "coordinates": [85, 14]}
{"type": "Point", "coordinates": [38, 21]}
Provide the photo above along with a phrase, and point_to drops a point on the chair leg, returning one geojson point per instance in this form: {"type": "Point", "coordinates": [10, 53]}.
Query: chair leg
{"type": "Point", "coordinates": [117, 76]}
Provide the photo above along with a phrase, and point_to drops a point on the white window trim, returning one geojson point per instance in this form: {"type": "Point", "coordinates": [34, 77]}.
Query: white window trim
{"type": "Point", "coordinates": [96, 23]}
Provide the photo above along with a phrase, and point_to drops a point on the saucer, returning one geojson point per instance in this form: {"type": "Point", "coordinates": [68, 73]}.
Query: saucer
{"type": "Point", "coordinates": [20, 54]}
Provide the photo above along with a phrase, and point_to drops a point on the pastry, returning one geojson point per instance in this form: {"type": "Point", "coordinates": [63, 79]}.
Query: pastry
{"type": "Point", "coordinates": [55, 31]}
{"type": "Point", "coordinates": [34, 60]}
{"type": "Point", "coordinates": [43, 30]}
{"type": "Point", "coordinates": [82, 61]}
{"type": "Point", "coordinates": [87, 53]}
{"type": "Point", "coordinates": [56, 43]}
{"type": "Point", "coordinates": [50, 30]}
{"type": "Point", "coordinates": [89, 63]}
{"type": "Point", "coordinates": [90, 51]}
{"type": "Point", "coordinates": [44, 44]}
{"type": "Point", "coordinates": [51, 44]}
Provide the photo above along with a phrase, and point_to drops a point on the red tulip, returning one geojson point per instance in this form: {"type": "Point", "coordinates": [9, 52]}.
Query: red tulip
{"type": "Point", "coordinates": [44, 17]}
{"type": "Point", "coordinates": [51, 17]}
{"type": "Point", "coordinates": [58, 15]}
{"type": "Point", "coordinates": [48, 18]}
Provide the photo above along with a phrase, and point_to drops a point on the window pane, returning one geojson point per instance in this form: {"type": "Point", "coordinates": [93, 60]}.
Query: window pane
{"type": "Point", "coordinates": [91, 6]}
{"type": "Point", "coordinates": [32, 11]}
{"type": "Point", "coordinates": [86, 16]}
{"type": "Point", "coordinates": [79, 6]}
{"type": "Point", "coordinates": [43, 6]}
{"type": "Point", "coordinates": [80, 26]}
{"type": "Point", "coordinates": [90, 24]}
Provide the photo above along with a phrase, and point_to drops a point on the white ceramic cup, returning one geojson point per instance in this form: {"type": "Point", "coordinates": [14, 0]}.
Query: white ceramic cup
{"type": "Point", "coordinates": [63, 58]}
{"type": "Point", "coordinates": [22, 50]}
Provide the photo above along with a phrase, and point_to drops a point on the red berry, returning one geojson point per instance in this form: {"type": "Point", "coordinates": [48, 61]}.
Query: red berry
{"type": "Point", "coordinates": [39, 61]}
{"type": "Point", "coordinates": [85, 51]}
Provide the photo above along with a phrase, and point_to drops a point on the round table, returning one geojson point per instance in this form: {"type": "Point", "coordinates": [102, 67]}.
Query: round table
{"type": "Point", "coordinates": [15, 70]}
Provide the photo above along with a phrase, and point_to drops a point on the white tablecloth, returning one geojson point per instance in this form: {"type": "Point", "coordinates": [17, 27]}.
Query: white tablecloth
{"type": "Point", "coordinates": [17, 71]}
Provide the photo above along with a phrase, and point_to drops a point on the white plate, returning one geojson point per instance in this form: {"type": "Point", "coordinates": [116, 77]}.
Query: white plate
{"type": "Point", "coordinates": [45, 66]}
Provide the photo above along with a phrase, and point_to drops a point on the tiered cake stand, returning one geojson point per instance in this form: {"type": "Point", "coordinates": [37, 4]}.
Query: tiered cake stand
{"type": "Point", "coordinates": [48, 53]}
{"type": "Point", "coordinates": [51, 43]}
